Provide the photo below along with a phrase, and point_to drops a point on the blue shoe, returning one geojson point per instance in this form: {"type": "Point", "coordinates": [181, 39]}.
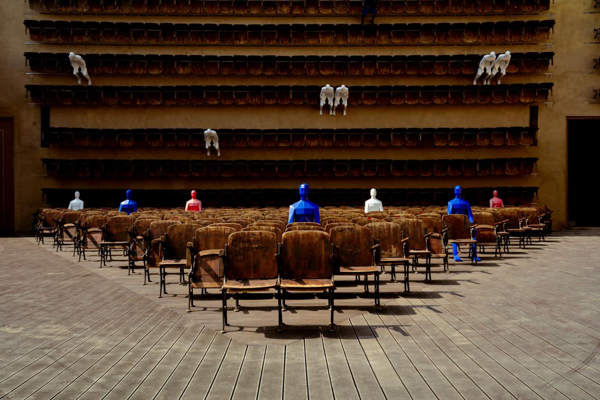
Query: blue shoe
{"type": "Point", "coordinates": [457, 259]}
{"type": "Point", "coordinates": [477, 259]}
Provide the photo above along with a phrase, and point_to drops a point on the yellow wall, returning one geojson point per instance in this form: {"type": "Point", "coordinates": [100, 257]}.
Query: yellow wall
{"type": "Point", "coordinates": [572, 75]}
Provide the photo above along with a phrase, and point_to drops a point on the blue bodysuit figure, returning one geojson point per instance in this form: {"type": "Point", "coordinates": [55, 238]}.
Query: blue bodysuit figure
{"type": "Point", "coordinates": [458, 205]}
{"type": "Point", "coordinates": [304, 210]}
{"type": "Point", "coordinates": [128, 205]}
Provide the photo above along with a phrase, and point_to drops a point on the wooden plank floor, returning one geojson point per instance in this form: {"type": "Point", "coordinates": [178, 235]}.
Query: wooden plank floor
{"type": "Point", "coordinates": [525, 326]}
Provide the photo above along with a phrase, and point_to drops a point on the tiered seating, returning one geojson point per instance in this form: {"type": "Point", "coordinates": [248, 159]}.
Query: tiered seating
{"type": "Point", "coordinates": [284, 168]}
{"type": "Point", "coordinates": [138, 33]}
{"type": "Point", "coordinates": [289, 7]}
{"type": "Point", "coordinates": [367, 137]}
{"type": "Point", "coordinates": [285, 95]}
{"type": "Point", "coordinates": [210, 65]}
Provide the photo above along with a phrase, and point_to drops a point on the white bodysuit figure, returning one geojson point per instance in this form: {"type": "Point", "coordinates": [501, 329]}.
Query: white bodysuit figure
{"type": "Point", "coordinates": [211, 138]}
{"type": "Point", "coordinates": [373, 204]}
{"type": "Point", "coordinates": [485, 66]}
{"type": "Point", "coordinates": [326, 98]}
{"type": "Point", "coordinates": [76, 204]}
{"type": "Point", "coordinates": [500, 66]}
{"type": "Point", "coordinates": [78, 63]}
{"type": "Point", "coordinates": [341, 97]}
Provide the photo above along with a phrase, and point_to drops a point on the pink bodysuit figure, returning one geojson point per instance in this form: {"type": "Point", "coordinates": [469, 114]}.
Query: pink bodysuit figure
{"type": "Point", "coordinates": [193, 204]}
{"type": "Point", "coordinates": [496, 202]}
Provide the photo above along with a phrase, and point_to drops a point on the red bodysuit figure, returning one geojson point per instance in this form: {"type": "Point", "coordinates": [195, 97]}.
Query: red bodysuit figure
{"type": "Point", "coordinates": [496, 202]}
{"type": "Point", "coordinates": [193, 204]}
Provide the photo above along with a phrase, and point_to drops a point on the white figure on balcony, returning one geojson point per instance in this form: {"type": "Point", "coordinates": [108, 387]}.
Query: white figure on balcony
{"type": "Point", "coordinates": [76, 204]}
{"type": "Point", "coordinates": [327, 93]}
{"type": "Point", "coordinates": [373, 204]}
{"type": "Point", "coordinates": [341, 97]}
{"type": "Point", "coordinates": [78, 63]}
{"type": "Point", "coordinates": [211, 138]}
{"type": "Point", "coordinates": [485, 66]}
{"type": "Point", "coordinates": [500, 66]}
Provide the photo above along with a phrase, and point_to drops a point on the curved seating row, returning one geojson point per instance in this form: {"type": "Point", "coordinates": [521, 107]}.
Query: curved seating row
{"type": "Point", "coordinates": [139, 64]}
{"type": "Point", "coordinates": [286, 168]}
{"type": "Point", "coordinates": [369, 137]}
{"type": "Point", "coordinates": [285, 95]}
{"type": "Point", "coordinates": [502, 32]}
{"type": "Point", "coordinates": [289, 7]}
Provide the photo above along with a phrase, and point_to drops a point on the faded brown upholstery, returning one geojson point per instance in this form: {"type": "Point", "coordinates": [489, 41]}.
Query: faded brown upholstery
{"type": "Point", "coordinates": [306, 265]}
{"type": "Point", "coordinates": [353, 254]}
{"type": "Point", "coordinates": [250, 264]}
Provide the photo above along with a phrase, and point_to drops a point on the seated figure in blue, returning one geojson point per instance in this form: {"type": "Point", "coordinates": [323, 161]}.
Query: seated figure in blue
{"type": "Point", "coordinates": [128, 205]}
{"type": "Point", "coordinates": [458, 205]}
{"type": "Point", "coordinates": [304, 210]}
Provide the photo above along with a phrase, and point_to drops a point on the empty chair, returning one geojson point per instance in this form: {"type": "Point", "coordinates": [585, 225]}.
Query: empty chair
{"type": "Point", "coordinates": [354, 254]}
{"type": "Point", "coordinates": [250, 260]}
{"type": "Point", "coordinates": [207, 268]}
{"type": "Point", "coordinates": [393, 248]}
{"type": "Point", "coordinates": [306, 266]}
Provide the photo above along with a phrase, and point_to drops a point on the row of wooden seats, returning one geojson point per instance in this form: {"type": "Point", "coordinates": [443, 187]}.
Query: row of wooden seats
{"type": "Point", "coordinates": [289, 7]}
{"type": "Point", "coordinates": [369, 65]}
{"type": "Point", "coordinates": [268, 197]}
{"type": "Point", "coordinates": [516, 32]}
{"type": "Point", "coordinates": [369, 137]}
{"type": "Point", "coordinates": [403, 239]}
{"type": "Point", "coordinates": [285, 168]}
{"type": "Point", "coordinates": [285, 95]}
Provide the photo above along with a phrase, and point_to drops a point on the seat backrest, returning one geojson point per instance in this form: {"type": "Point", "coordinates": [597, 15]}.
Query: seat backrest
{"type": "Point", "coordinates": [327, 221]}
{"type": "Point", "coordinates": [293, 227]}
{"type": "Point", "coordinates": [525, 212]}
{"type": "Point", "coordinates": [271, 222]}
{"type": "Point", "coordinates": [244, 222]}
{"type": "Point", "coordinates": [377, 214]}
{"type": "Point", "coordinates": [233, 225]}
{"type": "Point", "coordinates": [116, 228]}
{"type": "Point", "coordinates": [95, 221]}
{"type": "Point", "coordinates": [512, 217]}
{"type": "Point", "coordinates": [353, 245]}
{"type": "Point", "coordinates": [177, 238]}
{"type": "Point", "coordinates": [332, 225]}
{"type": "Point", "coordinates": [212, 237]}
{"type": "Point", "coordinates": [431, 224]}
{"type": "Point", "coordinates": [159, 228]}
{"type": "Point", "coordinates": [51, 216]}
{"type": "Point", "coordinates": [302, 224]}
{"type": "Point", "coordinates": [306, 254]}
{"type": "Point", "coordinates": [251, 255]}
{"type": "Point", "coordinates": [389, 236]}
{"type": "Point", "coordinates": [458, 226]}
{"type": "Point", "coordinates": [483, 218]}
{"type": "Point", "coordinates": [141, 225]}
{"type": "Point", "coordinates": [264, 228]}
{"type": "Point", "coordinates": [413, 228]}
{"type": "Point", "coordinates": [70, 217]}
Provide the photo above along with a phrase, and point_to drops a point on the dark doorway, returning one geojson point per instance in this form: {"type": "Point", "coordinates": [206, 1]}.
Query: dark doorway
{"type": "Point", "coordinates": [7, 189]}
{"type": "Point", "coordinates": [583, 145]}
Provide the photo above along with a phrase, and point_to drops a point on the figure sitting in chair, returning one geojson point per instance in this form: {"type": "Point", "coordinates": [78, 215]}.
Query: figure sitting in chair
{"type": "Point", "coordinates": [369, 6]}
{"type": "Point", "coordinates": [460, 206]}
{"type": "Point", "coordinates": [76, 204]}
{"type": "Point", "coordinates": [128, 205]}
{"type": "Point", "coordinates": [304, 210]}
{"type": "Point", "coordinates": [496, 202]}
{"type": "Point", "coordinates": [373, 204]}
{"type": "Point", "coordinates": [193, 204]}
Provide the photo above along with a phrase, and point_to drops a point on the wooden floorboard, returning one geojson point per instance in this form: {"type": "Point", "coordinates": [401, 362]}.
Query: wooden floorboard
{"type": "Point", "coordinates": [524, 326]}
